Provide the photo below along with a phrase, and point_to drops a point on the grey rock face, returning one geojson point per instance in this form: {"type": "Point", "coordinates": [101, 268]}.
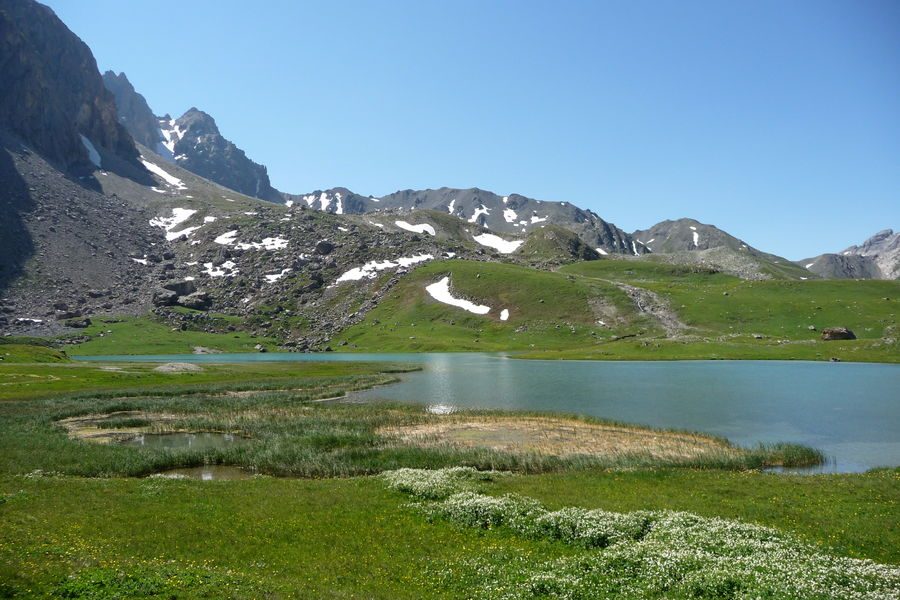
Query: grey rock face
{"type": "Point", "coordinates": [51, 92]}
{"type": "Point", "coordinates": [876, 258]}
{"type": "Point", "coordinates": [134, 113]}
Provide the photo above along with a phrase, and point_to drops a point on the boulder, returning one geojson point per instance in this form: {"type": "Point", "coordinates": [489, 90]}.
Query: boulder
{"type": "Point", "coordinates": [181, 288]}
{"type": "Point", "coordinates": [78, 323]}
{"type": "Point", "coordinates": [324, 247]}
{"type": "Point", "coordinates": [164, 297]}
{"type": "Point", "coordinates": [196, 301]}
{"type": "Point", "coordinates": [837, 333]}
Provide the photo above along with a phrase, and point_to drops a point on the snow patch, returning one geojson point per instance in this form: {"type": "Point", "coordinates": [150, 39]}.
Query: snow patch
{"type": "Point", "coordinates": [289, 203]}
{"type": "Point", "coordinates": [380, 225]}
{"type": "Point", "coordinates": [370, 269]}
{"type": "Point", "coordinates": [510, 215]}
{"type": "Point", "coordinates": [209, 219]}
{"type": "Point", "coordinates": [494, 241]}
{"type": "Point", "coordinates": [93, 155]}
{"type": "Point", "coordinates": [504, 314]}
{"type": "Point", "coordinates": [270, 243]}
{"type": "Point", "coordinates": [537, 219]}
{"type": "Point", "coordinates": [696, 238]}
{"type": "Point", "coordinates": [484, 210]}
{"type": "Point", "coordinates": [505, 199]}
{"type": "Point", "coordinates": [276, 276]}
{"type": "Point", "coordinates": [340, 205]}
{"type": "Point", "coordinates": [227, 238]}
{"type": "Point", "coordinates": [344, 229]}
{"type": "Point", "coordinates": [422, 228]}
{"type": "Point", "coordinates": [179, 216]}
{"type": "Point", "coordinates": [226, 269]}
{"type": "Point", "coordinates": [141, 261]}
{"type": "Point", "coordinates": [809, 265]}
{"type": "Point", "coordinates": [169, 179]}
{"type": "Point", "coordinates": [450, 206]}
{"type": "Point", "coordinates": [440, 291]}
{"type": "Point", "coordinates": [602, 251]}
{"type": "Point", "coordinates": [634, 248]}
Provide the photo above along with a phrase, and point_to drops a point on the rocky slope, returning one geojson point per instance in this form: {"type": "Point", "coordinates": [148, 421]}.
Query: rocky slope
{"type": "Point", "coordinates": [688, 241]}
{"type": "Point", "coordinates": [876, 258]}
{"type": "Point", "coordinates": [52, 96]}
{"type": "Point", "coordinates": [193, 140]}
{"type": "Point", "coordinates": [514, 215]}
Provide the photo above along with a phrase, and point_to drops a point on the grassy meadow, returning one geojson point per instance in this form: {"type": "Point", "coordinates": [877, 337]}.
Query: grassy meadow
{"type": "Point", "coordinates": [82, 519]}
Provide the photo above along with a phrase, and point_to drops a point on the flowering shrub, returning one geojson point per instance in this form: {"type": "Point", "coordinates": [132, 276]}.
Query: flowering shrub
{"type": "Point", "coordinates": [477, 510]}
{"type": "Point", "coordinates": [428, 484]}
{"type": "Point", "coordinates": [642, 554]}
{"type": "Point", "coordinates": [592, 528]}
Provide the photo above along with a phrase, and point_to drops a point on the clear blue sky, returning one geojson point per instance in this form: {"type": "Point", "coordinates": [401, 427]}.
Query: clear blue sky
{"type": "Point", "coordinates": [776, 121]}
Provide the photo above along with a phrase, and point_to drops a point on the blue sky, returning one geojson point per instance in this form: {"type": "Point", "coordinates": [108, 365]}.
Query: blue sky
{"type": "Point", "coordinates": [776, 121]}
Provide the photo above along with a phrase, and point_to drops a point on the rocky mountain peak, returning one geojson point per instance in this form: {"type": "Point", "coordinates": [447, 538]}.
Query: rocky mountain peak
{"type": "Point", "coordinates": [134, 112]}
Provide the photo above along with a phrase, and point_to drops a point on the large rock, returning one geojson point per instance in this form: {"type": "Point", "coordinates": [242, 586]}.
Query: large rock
{"type": "Point", "coordinates": [837, 333]}
{"type": "Point", "coordinates": [181, 288]}
{"type": "Point", "coordinates": [196, 301]}
{"type": "Point", "coordinates": [324, 247]}
{"type": "Point", "coordinates": [164, 297]}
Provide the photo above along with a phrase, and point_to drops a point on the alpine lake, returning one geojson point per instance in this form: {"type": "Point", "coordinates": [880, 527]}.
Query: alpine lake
{"type": "Point", "coordinates": [849, 411]}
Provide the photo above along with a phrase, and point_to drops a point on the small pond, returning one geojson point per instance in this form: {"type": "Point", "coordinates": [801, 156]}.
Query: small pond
{"type": "Point", "coordinates": [184, 441]}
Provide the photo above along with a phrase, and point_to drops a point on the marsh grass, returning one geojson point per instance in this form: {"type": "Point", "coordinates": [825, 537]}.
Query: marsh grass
{"type": "Point", "coordinates": [289, 433]}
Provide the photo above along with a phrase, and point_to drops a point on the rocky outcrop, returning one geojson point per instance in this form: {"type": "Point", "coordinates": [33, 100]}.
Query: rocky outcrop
{"type": "Point", "coordinates": [837, 333]}
{"type": "Point", "coordinates": [52, 93]}
{"type": "Point", "coordinates": [134, 112]}
{"type": "Point", "coordinates": [876, 258]}
{"type": "Point", "coordinates": [198, 146]}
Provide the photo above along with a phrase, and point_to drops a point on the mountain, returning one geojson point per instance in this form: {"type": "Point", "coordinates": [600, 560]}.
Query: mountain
{"type": "Point", "coordinates": [134, 112]}
{"type": "Point", "coordinates": [511, 215]}
{"type": "Point", "coordinates": [193, 140]}
{"type": "Point", "coordinates": [876, 258]}
{"type": "Point", "coordinates": [692, 242]}
{"type": "Point", "coordinates": [52, 97]}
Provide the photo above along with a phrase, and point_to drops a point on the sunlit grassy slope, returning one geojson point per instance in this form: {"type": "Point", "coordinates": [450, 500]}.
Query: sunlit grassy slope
{"type": "Point", "coordinates": [558, 314]}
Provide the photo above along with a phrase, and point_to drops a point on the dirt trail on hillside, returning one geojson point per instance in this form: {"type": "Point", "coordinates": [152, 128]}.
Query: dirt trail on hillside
{"type": "Point", "coordinates": [650, 303]}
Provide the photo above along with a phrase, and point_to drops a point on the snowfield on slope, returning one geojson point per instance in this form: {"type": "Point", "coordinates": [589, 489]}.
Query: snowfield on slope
{"type": "Point", "coordinates": [170, 179]}
{"type": "Point", "coordinates": [422, 228]}
{"type": "Point", "coordinates": [370, 269]}
{"type": "Point", "coordinates": [440, 291]}
{"type": "Point", "coordinates": [498, 243]}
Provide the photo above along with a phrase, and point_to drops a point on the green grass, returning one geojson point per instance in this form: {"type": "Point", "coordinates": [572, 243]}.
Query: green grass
{"type": "Point", "coordinates": [554, 315]}
{"type": "Point", "coordinates": [29, 353]}
{"type": "Point", "coordinates": [39, 380]}
{"type": "Point", "coordinates": [65, 536]}
{"type": "Point", "coordinates": [717, 304]}
{"type": "Point", "coordinates": [352, 538]}
{"type": "Point", "coordinates": [146, 335]}
{"type": "Point", "coordinates": [551, 311]}
{"type": "Point", "coordinates": [851, 515]}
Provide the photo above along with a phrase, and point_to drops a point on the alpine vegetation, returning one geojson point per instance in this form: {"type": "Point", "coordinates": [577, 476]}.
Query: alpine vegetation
{"type": "Point", "coordinates": [641, 554]}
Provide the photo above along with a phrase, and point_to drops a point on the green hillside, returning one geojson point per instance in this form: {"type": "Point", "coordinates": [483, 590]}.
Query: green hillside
{"type": "Point", "coordinates": [559, 314]}
{"type": "Point", "coordinates": [546, 311]}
